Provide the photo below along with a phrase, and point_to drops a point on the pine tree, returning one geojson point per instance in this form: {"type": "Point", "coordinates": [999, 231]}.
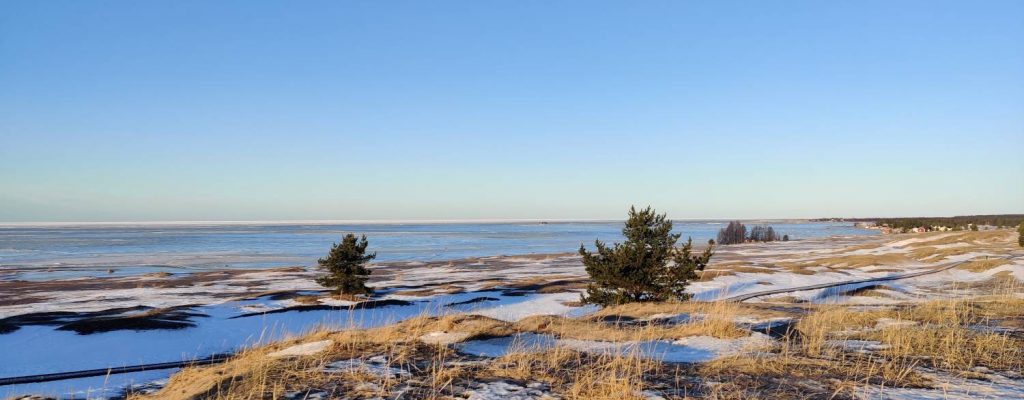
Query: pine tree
{"type": "Point", "coordinates": [345, 267]}
{"type": "Point", "coordinates": [646, 267]}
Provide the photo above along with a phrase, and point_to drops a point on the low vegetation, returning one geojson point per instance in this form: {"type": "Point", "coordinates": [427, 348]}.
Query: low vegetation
{"type": "Point", "coordinates": [736, 233]}
{"type": "Point", "coordinates": [959, 223]}
{"type": "Point", "coordinates": [1020, 234]}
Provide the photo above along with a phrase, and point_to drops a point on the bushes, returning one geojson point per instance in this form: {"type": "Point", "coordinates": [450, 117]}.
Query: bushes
{"type": "Point", "coordinates": [763, 233]}
{"type": "Point", "coordinates": [736, 232]}
{"type": "Point", "coordinates": [732, 234]}
{"type": "Point", "coordinates": [1020, 234]}
{"type": "Point", "coordinates": [646, 267]}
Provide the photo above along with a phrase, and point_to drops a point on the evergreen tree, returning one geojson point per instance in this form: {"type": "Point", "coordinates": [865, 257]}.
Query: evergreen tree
{"type": "Point", "coordinates": [345, 267]}
{"type": "Point", "coordinates": [646, 267]}
{"type": "Point", "coordinates": [785, 238]}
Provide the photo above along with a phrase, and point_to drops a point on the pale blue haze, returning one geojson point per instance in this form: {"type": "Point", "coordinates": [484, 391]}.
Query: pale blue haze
{"type": "Point", "coordinates": [256, 110]}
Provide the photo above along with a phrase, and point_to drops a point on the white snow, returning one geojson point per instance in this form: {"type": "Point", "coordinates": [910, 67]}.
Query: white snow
{"type": "Point", "coordinates": [502, 390]}
{"type": "Point", "coordinates": [686, 350]}
{"type": "Point", "coordinates": [444, 338]}
{"type": "Point", "coordinates": [538, 304]}
{"type": "Point", "coordinates": [376, 366]}
{"type": "Point", "coordinates": [951, 387]}
{"type": "Point", "coordinates": [303, 349]}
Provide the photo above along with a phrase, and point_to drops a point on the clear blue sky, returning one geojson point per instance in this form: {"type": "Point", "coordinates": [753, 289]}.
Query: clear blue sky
{"type": "Point", "coordinates": [255, 110]}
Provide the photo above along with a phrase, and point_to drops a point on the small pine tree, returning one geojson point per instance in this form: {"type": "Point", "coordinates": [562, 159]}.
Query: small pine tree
{"type": "Point", "coordinates": [345, 267]}
{"type": "Point", "coordinates": [785, 238]}
{"type": "Point", "coordinates": [646, 267]}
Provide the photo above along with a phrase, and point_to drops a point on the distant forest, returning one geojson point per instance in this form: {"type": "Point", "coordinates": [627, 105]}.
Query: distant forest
{"type": "Point", "coordinates": [963, 222]}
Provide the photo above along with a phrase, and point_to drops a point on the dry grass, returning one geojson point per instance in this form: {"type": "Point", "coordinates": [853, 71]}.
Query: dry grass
{"type": "Point", "coordinates": [720, 309]}
{"type": "Point", "coordinates": [432, 291]}
{"type": "Point", "coordinates": [839, 263]}
{"type": "Point", "coordinates": [788, 373]}
{"type": "Point", "coordinates": [589, 329]}
{"type": "Point", "coordinates": [817, 328]}
{"type": "Point", "coordinates": [950, 335]}
{"type": "Point", "coordinates": [805, 365]}
{"type": "Point", "coordinates": [974, 238]}
{"type": "Point", "coordinates": [576, 375]}
{"type": "Point", "coordinates": [982, 265]}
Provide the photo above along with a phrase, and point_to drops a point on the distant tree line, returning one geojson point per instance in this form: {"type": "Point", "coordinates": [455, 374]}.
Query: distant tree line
{"type": "Point", "coordinates": [736, 232]}
{"type": "Point", "coordinates": [959, 223]}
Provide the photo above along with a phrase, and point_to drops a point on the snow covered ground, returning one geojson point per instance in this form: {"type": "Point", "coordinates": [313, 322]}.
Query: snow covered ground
{"type": "Point", "coordinates": [231, 315]}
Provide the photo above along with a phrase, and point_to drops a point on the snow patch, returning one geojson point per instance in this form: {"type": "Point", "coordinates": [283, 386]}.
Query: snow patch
{"type": "Point", "coordinates": [444, 338]}
{"type": "Point", "coordinates": [686, 350]}
{"type": "Point", "coordinates": [304, 349]}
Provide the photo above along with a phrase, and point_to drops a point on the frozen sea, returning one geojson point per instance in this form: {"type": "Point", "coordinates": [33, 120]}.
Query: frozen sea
{"type": "Point", "coordinates": [56, 252]}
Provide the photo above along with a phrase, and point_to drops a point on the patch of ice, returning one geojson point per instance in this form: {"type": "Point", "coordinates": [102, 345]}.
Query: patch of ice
{"type": "Point", "coordinates": [304, 349]}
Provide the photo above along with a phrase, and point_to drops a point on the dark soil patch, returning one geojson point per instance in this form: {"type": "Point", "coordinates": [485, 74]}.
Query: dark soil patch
{"type": "Point", "coordinates": [366, 305]}
{"type": "Point", "coordinates": [471, 301]}
{"type": "Point", "coordinates": [129, 318]}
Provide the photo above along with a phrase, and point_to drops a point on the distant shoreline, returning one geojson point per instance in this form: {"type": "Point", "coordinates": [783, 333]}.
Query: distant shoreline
{"type": "Point", "coordinates": [378, 222]}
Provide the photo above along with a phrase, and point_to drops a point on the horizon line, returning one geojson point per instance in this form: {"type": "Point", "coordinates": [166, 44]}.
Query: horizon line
{"type": "Point", "coordinates": [363, 221]}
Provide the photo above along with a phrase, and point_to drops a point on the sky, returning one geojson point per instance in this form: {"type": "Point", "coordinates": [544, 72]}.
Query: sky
{"type": "Point", "coordinates": [405, 110]}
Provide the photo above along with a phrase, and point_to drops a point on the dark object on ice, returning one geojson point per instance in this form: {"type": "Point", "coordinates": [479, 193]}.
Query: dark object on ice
{"type": "Point", "coordinates": [128, 318]}
{"type": "Point", "coordinates": [6, 327]}
{"type": "Point", "coordinates": [365, 305]}
{"type": "Point", "coordinates": [142, 322]}
{"type": "Point", "coordinates": [777, 329]}
{"type": "Point", "coordinates": [214, 359]}
{"type": "Point", "coordinates": [617, 320]}
{"type": "Point", "coordinates": [471, 301]}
